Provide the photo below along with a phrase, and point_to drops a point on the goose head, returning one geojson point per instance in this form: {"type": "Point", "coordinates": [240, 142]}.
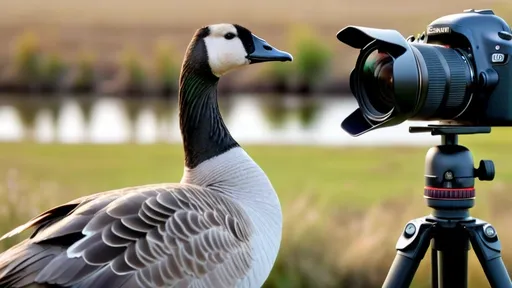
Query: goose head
{"type": "Point", "coordinates": [221, 48]}
{"type": "Point", "coordinates": [214, 51]}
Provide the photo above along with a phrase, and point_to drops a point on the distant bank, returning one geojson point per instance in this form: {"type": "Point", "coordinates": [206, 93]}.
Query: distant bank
{"type": "Point", "coordinates": [119, 88]}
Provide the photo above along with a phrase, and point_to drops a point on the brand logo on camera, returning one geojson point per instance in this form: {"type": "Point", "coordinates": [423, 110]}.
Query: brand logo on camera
{"type": "Point", "coordinates": [438, 30]}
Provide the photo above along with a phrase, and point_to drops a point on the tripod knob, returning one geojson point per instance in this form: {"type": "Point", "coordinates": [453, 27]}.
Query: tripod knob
{"type": "Point", "coordinates": [485, 171]}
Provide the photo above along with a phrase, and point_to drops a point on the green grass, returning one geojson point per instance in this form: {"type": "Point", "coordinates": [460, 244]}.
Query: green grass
{"type": "Point", "coordinates": [326, 193]}
{"type": "Point", "coordinates": [337, 175]}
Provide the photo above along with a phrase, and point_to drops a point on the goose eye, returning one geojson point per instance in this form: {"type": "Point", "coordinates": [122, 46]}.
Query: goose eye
{"type": "Point", "coordinates": [229, 36]}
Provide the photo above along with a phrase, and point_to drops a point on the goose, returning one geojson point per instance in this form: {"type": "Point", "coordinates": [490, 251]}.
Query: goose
{"type": "Point", "coordinates": [220, 226]}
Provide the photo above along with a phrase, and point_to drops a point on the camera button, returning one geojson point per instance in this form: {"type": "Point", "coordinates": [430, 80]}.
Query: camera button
{"type": "Point", "coordinates": [485, 12]}
{"type": "Point", "coordinates": [498, 58]}
{"type": "Point", "coordinates": [505, 35]}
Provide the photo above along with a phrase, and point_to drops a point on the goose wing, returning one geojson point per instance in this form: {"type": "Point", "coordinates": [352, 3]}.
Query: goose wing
{"type": "Point", "coordinates": [148, 236]}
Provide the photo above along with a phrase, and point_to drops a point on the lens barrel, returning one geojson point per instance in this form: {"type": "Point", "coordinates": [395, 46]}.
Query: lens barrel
{"type": "Point", "coordinates": [448, 78]}
{"type": "Point", "coordinates": [435, 84]}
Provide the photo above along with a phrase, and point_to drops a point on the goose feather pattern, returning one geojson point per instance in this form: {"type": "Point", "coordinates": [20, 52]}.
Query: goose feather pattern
{"type": "Point", "coordinates": [168, 235]}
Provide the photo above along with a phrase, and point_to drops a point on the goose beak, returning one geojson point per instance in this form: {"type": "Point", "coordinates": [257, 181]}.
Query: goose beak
{"type": "Point", "coordinates": [263, 52]}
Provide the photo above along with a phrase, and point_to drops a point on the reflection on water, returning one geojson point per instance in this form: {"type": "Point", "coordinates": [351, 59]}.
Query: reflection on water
{"type": "Point", "coordinates": [110, 122]}
{"type": "Point", "coordinates": [11, 127]}
{"type": "Point", "coordinates": [261, 119]}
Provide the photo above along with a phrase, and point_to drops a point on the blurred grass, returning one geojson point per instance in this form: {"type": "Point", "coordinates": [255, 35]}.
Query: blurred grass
{"type": "Point", "coordinates": [343, 207]}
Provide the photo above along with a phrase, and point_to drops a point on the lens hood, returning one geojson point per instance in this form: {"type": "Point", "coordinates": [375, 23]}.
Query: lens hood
{"type": "Point", "coordinates": [405, 78]}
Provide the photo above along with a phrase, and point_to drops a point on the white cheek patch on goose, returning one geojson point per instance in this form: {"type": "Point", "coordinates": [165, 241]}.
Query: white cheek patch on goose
{"type": "Point", "coordinates": [225, 55]}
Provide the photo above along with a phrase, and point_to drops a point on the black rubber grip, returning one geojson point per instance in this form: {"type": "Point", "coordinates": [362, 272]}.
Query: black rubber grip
{"type": "Point", "coordinates": [447, 82]}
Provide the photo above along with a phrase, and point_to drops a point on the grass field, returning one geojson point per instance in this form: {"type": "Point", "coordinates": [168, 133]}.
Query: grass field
{"type": "Point", "coordinates": [343, 207]}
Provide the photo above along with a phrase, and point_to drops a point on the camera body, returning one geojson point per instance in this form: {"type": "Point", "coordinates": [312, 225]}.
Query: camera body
{"type": "Point", "coordinates": [489, 44]}
{"type": "Point", "coordinates": [457, 72]}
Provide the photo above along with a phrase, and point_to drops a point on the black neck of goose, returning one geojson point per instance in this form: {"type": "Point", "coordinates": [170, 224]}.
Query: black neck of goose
{"type": "Point", "coordinates": [203, 131]}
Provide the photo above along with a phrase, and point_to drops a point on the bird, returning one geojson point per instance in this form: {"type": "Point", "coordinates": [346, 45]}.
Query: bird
{"type": "Point", "coordinates": [220, 226]}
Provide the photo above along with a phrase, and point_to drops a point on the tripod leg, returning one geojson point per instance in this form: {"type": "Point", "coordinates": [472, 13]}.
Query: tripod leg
{"type": "Point", "coordinates": [411, 248]}
{"type": "Point", "coordinates": [450, 245]}
{"type": "Point", "coordinates": [487, 246]}
{"type": "Point", "coordinates": [434, 267]}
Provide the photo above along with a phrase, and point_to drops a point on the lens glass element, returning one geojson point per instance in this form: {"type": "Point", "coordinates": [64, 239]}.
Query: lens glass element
{"type": "Point", "coordinates": [378, 82]}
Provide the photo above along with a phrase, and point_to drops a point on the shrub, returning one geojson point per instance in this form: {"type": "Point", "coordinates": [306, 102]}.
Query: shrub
{"type": "Point", "coordinates": [278, 74]}
{"type": "Point", "coordinates": [166, 68]}
{"type": "Point", "coordinates": [312, 56]}
{"type": "Point", "coordinates": [52, 70]}
{"type": "Point", "coordinates": [27, 58]}
{"type": "Point", "coordinates": [85, 79]}
{"type": "Point", "coordinates": [133, 70]}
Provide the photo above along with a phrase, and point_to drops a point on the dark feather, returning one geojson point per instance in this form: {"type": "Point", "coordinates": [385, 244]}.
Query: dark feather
{"type": "Point", "coordinates": [104, 278]}
{"type": "Point", "coordinates": [132, 258]}
{"type": "Point", "coordinates": [121, 266]}
{"type": "Point", "coordinates": [153, 214]}
{"type": "Point", "coordinates": [101, 253]}
{"type": "Point", "coordinates": [123, 208]}
{"type": "Point", "coordinates": [115, 240]}
{"type": "Point", "coordinates": [98, 222]}
{"type": "Point", "coordinates": [80, 246]}
{"type": "Point", "coordinates": [42, 219]}
{"type": "Point", "coordinates": [169, 201]}
{"type": "Point", "coordinates": [136, 223]}
{"type": "Point", "coordinates": [69, 272]}
{"type": "Point", "coordinates": [67, 232]}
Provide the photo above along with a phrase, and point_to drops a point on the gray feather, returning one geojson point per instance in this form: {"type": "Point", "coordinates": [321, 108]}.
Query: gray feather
{"type": "Point", "coordinates": [156, 236]}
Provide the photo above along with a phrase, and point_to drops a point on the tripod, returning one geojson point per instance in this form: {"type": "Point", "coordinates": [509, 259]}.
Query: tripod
{"type": "Point", "coordinates": [449, 191]}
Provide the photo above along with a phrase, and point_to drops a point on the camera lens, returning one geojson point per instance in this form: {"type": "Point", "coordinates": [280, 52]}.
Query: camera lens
{"type": "Point", "coordinates": [447, 77]}
{"type": "Point", "coordinates": [378, 82]}
{"type": "Point", "coordinates": [431, 83]}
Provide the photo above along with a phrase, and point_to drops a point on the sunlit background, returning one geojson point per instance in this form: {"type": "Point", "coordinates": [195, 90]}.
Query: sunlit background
{"type": "Point", "coordinates": [88, 103]}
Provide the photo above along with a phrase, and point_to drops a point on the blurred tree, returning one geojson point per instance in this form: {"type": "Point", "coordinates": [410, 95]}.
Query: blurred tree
{"type": "Point", "coordinates": [133, 71]}
{"type": "Point", "coordinates": [278, 75]}
{"type": "Point", "coordinates": [308, 111]}
{"type": "Point", "coordinates": [312, 57]}
{"type": "Point", "coordinates": [275, 109]}
{"type": "Point", "coordinates": [85, 80]}
{"type": "Point", "coordinates": [166, 68]}
{"type": "Point", "coordinates": [27, 58]}
{"type": "Point", "coordinates": [53, 70]}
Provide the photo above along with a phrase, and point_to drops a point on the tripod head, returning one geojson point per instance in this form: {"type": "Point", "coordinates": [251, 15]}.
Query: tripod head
{"type": "Point", "coordinates": [449, 172]}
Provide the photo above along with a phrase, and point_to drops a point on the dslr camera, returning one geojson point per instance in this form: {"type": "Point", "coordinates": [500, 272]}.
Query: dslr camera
{"type": "Point", "coordinates": [457, 72]}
